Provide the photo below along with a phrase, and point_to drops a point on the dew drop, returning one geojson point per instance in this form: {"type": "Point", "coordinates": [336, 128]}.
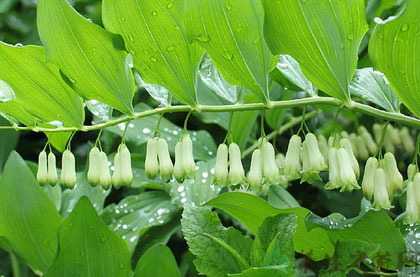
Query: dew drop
{"type": "Point", "coordinates": [229, 7]}
{"type": "Point", "coordinates": [170, 5]}
{"type": "Point", "coordinates": [154, 13]}
{"type": "Point", "coordinates": [123, 19]}
{"type": "Point", "coordinates": [350, 37]}
{"type": "Point", "coordinates": [18, 45]}
{"type": "Point", "coordinates": [94, 49]}
{"type": "Point", "coordinates": [227, 55]}
{"type": "Point", "coordinates": [170, 48]}
{"type": "Point", "coordinates": [404, 27]}
{"type": "Point", "coordinates": [153, 59]}
{"type": "Point", "coordinates": [6, 92]}
{"type": "Point", "coordinates": [131, 37]}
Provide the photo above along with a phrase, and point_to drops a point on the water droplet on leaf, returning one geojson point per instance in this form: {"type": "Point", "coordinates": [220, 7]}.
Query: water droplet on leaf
{"type": "Point", "coordinates": [154, 13]}
{"type": "Point", "coordinates": [404, 27]}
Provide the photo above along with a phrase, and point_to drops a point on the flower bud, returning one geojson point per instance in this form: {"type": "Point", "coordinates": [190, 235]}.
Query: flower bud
{"type": "Point", "coordinates": [42, 174]}
{"type": "Point", "coordinates": [165, 163]}
{"type": "Point", "coordinates": [323, 147]}
{"type": "Point", "coordinates": [125, 160]}
{"type": "Point", "coordinates": [255, 177]}
{"type": "Point", "coordinates": [362, 149]}
{"type": "Point", "coordinates": [407, 141]}
{"type": "Point", "coordinates": [394, 136]}
{"type": "Point", "coordinates": [105, 177]}
{"type": "Point", "coordinates": [188, 163]}
{"type": "Point", "coordinates": [412, 170]}
{"type": "Point", "coordinates": [394, 179]}
{"type": "Point", "coordinates": [221, 171]}
{"type": "Point", "coordinates": [68, 170]}
{"type": "Point", "coordinates": [270, 169]}
{"type": "Point", "coordinates": [344, 134]}
{"type": "Point", "coordinates": [377, 132]}
{"type": "Point", "coordinates": [354, 143]}
{"type": "Point", "coordinates": [368, 140]}
{"type": "Point", "coordinates": [346, 144]}
{"type": "Point", "coordinates": [178, 170]}
{"type": "Point", "coordinates": [52, 170]}
{"type": "Point", "coordinates": [331, 142]}
{"type": "Point", "coordinates": [116, 176]}
{"type": "Point", "coordinates": [368, 183]}
{"type": "Point", "coordinates": [313, 161]}
{"type": "Point", "coordinates": [334, 170]}
{"type": "Point", "coordinates": [412, 207]}
{"type": "Point", "coordinates": [347, 177]}
{"type": "Point", "coordinates": [94, 171]}
{"type": "Point", "coordinates": [292, 165]}
{"type": "Point", "coordinates": [381, 197]}
{"type": "Point", "coordinates": [236, 170]}
{"type": "Point", "coordinates": [151, 164]}
{"type": "Point", "coordinates": [416, 181]}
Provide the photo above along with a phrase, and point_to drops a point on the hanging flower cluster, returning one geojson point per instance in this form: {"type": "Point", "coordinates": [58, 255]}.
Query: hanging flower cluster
{"type": "Point", "coordinates": [228, 169]}
{"type": "Point", "coordinates": [123, 174]}
{"type": "Point", "coordinates": [47, 169]}
{"type": "Point", "coordinates": [158, 160]}
{"type": "Point", "coordinates": [98, 172]}
{"type": "Point", "coordinates": [394, 139]}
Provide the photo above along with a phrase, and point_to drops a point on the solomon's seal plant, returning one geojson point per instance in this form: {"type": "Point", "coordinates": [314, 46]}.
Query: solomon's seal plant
{"type": "Point", "coordinates": [209, 137]}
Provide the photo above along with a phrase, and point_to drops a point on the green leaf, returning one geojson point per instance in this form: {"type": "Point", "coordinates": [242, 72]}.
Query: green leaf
{"type": "Point", "coordinates": [96, 195]}
{"type": "Point", "coordinates": [88, 248]}
{"type": "Point", "coordinates": [232, 34]}
{"type": "Point", "coordinates": [159, 93]}
{"type": "Point", "coordinates": [241, 129]}
{"type": "Point", "coordinates": [28, 218]}
{"type": "Point", "coordinates": [92, 59]}
{"type": "Point", "coordinates": [322, 35]}
{"type": "Point", "coordinates": [349, 254]}
{"type": "Point", "coordinates": [290, 68]}
{"type": "Point", "coordinates": [8, 142]}
{"type": "Point", "coordinates": [38, 86]}
{"type": "Point", "coordinates": [372, 227]}
{"type": "Point", "coordinates": [135, 214]}
{"type": "Point", "coordinates": [269, 271]}
{"type": "Point", "coordinates": [154, 35]}
{"type": "Point", "coordinates": [251, 211]}
{"type": "Point", "coordinates": [395, 50]}
{"type": "Point", "coordinates": [195, 191]}
{"type": "Point", "coordinates": [280, 198]}
{"type": "Point", "coordinates": [140, 131]}
{"type": "Point", "coordinates": [158, 261]}
{"type": "Point", "coordinates": [373, 86]}
{"type": "Point", "coordinates": [219, 250]}
{"type": "Point", "coordinates": [411, 235]}
{"type": "Point", "coordinates": [101, 112]}
{"type": "Point", "coordinates": [276, 117]}
{"type": "Point", "coordinates": [6, 5]}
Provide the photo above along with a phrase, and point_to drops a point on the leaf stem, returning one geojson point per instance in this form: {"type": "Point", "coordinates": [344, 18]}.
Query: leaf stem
{"type": "Point", "coordinates": [15, 265]}
{"type": "Point", "coordinates": [315, 100]}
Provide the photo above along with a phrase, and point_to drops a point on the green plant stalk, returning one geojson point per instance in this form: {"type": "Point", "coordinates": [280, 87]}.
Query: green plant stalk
{"type": "Point", "coordinates": [15, 265]}
{"type": "Point", "coordinates": [315, 100]}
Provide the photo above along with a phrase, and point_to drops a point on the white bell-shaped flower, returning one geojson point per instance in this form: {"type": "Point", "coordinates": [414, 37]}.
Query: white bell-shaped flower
{"type": "Point", "coordinates": [346, 144]}
{"type": "Point", "coordinates": [94, 171]}
{"type": "Point", "coordinates": [368, 183]}
{"type": "Point", "coordinates": [166, 167]}
{"type": "Point", "coordinates": [255, 174]}
{"type": "Point", "coordinates": [292, 166]}
{"type": "Point", "coordinates": [381, 197]}
{"type": "Point", "coordinates": [313, 161]}
{"type": "Point", "coordinates": [116, 176]}
{"type": "Point", "coordinates": [270, 169]}
{"type": "Point", "coordinates": [188, 163]}
{"type": "Point", "coordinates": [105, 179]}
{"type": "Point", "coordinates": [407, 141]}
{"type": "Point", "coordinates": [412, 207]}
{"type": "Point", "coordinates": [362, 149]}
{"type": "Point", "coordinates": [354, 142]}
{"type": "Point", "coordinates": [394, 179]}
{"type": "Point", "coordinates": [323, 147]}
{"type": "Point", "coordinates": [178, 170]}
{"type": "Point", "coordinates": [42, 173]}
{"type": "Point", "coordinates": [412, 170]}
{"type": "Point", "coordinates": [126, 170]}
{"type": "Point", "coordinates": [334, 170]}
{"type": "Point", "coordinates": [347, 177]}
{"type": "Point", "coordinates": [377, 132]}
{"type": "Point", "coordinates": [368, 140]}
{"type": "Point", "coordinates": [151, 164]}
{"type": "Point", "coordinates": [68, 170]}
{"type": "Point", "coordinates": [52, 169]}
{"type": "Point", "coordinates": [221, 170]}
{"type": "Point", "coordinates": [236, 169]}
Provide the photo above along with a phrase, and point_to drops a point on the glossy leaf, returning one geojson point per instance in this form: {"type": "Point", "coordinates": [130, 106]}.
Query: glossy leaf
{"type": "Point", "coordinates": [395, 50]}
{"type": "Point", "coordinates": [154, 35]}
{"type": "Point", "coordinates": [323, 36]}
{"type": "Point", "coordinates": [267, 271]}
{"type": "Point", "coordinates": [280, 198]}
{"type": "Point", "coordinates": [158, 261]}
{"type": "Point", "coordinates": [88, 248]}
{"type": "Point", "coordinates": [28, 218]}
{"type": "Point", "coordinates": [373, 86]}
{"type": "Point", "coordinates": [232, 34]}
{"type": "Point", "coordinates": [135, 214]}
{"type": "Point", "coordinates": [92, 59]}
{"type": "Point", "coordinates": [159, 93]}
{"type": "Point", "coordinates": [251, 211]}
{"type": "Point", "coordinates": [8, 142]}
{"type": "Point", "coordinates": [102, 112]}
{"type": "Point", "coordinates": [37, 86]}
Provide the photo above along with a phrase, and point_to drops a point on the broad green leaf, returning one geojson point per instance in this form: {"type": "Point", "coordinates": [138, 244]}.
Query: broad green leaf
{"type": "Point", "coordinates": [70, 197]}
{"type": "Point", "coordinates": [102, 112]}
{"type": "Point", "coordinates": [290, 68]}
{"type": "Point", "coordinates": [219, 250]}
{"type": "Point", "coordinates": [57, 139]}
{"type": "Point", "coordinates": [322, 35]}
{"type": "Point", "coordinates": [242, 130]}
{"type": "Point", "coordinates": [159, 93]}
{"type": "Point", "coordinates": [14, 112]}
{"type": "Point", "coordinates": [135, 214]}
{"type": "Point", "coordinates": [158, 261]}
{"type": "Point", "coordinates": [195, 191]}
{"type": "Point", "coordinates": [92, 59]}
{"type": "Point", "coordinates": [372, 227]}
{"type": "Point", "coordinates": [395, 50]}
{"type": "Point", "coordinates": [349, 254]}
{"type": "Point", "coordinates": [411, 235]}
{"type": "Point", "coordinates": [214, 81]}
{"type": "Point", "coordinates": [373, 86]}
{"type": "Point", "coordinates": [232, 33]}
{"type": "Point", "coordinates": [154, 35]}
{"type": "Point", "coordinates": [140, 131]}
{"type": "Point", "coordinates": [8, 142]}
{"type": "Point", "coordinates": [268, 271]}
{"type": "Point", "coordinates": [88, 248]}
{"type": "Point", "coordinates": [251, 211]}
{"type": "Point", "coordinates": [38, 86]}
{"type": "Point", "coordinates": [280, 198]}
{"type": "Point", "coordinates": [28, 218]}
